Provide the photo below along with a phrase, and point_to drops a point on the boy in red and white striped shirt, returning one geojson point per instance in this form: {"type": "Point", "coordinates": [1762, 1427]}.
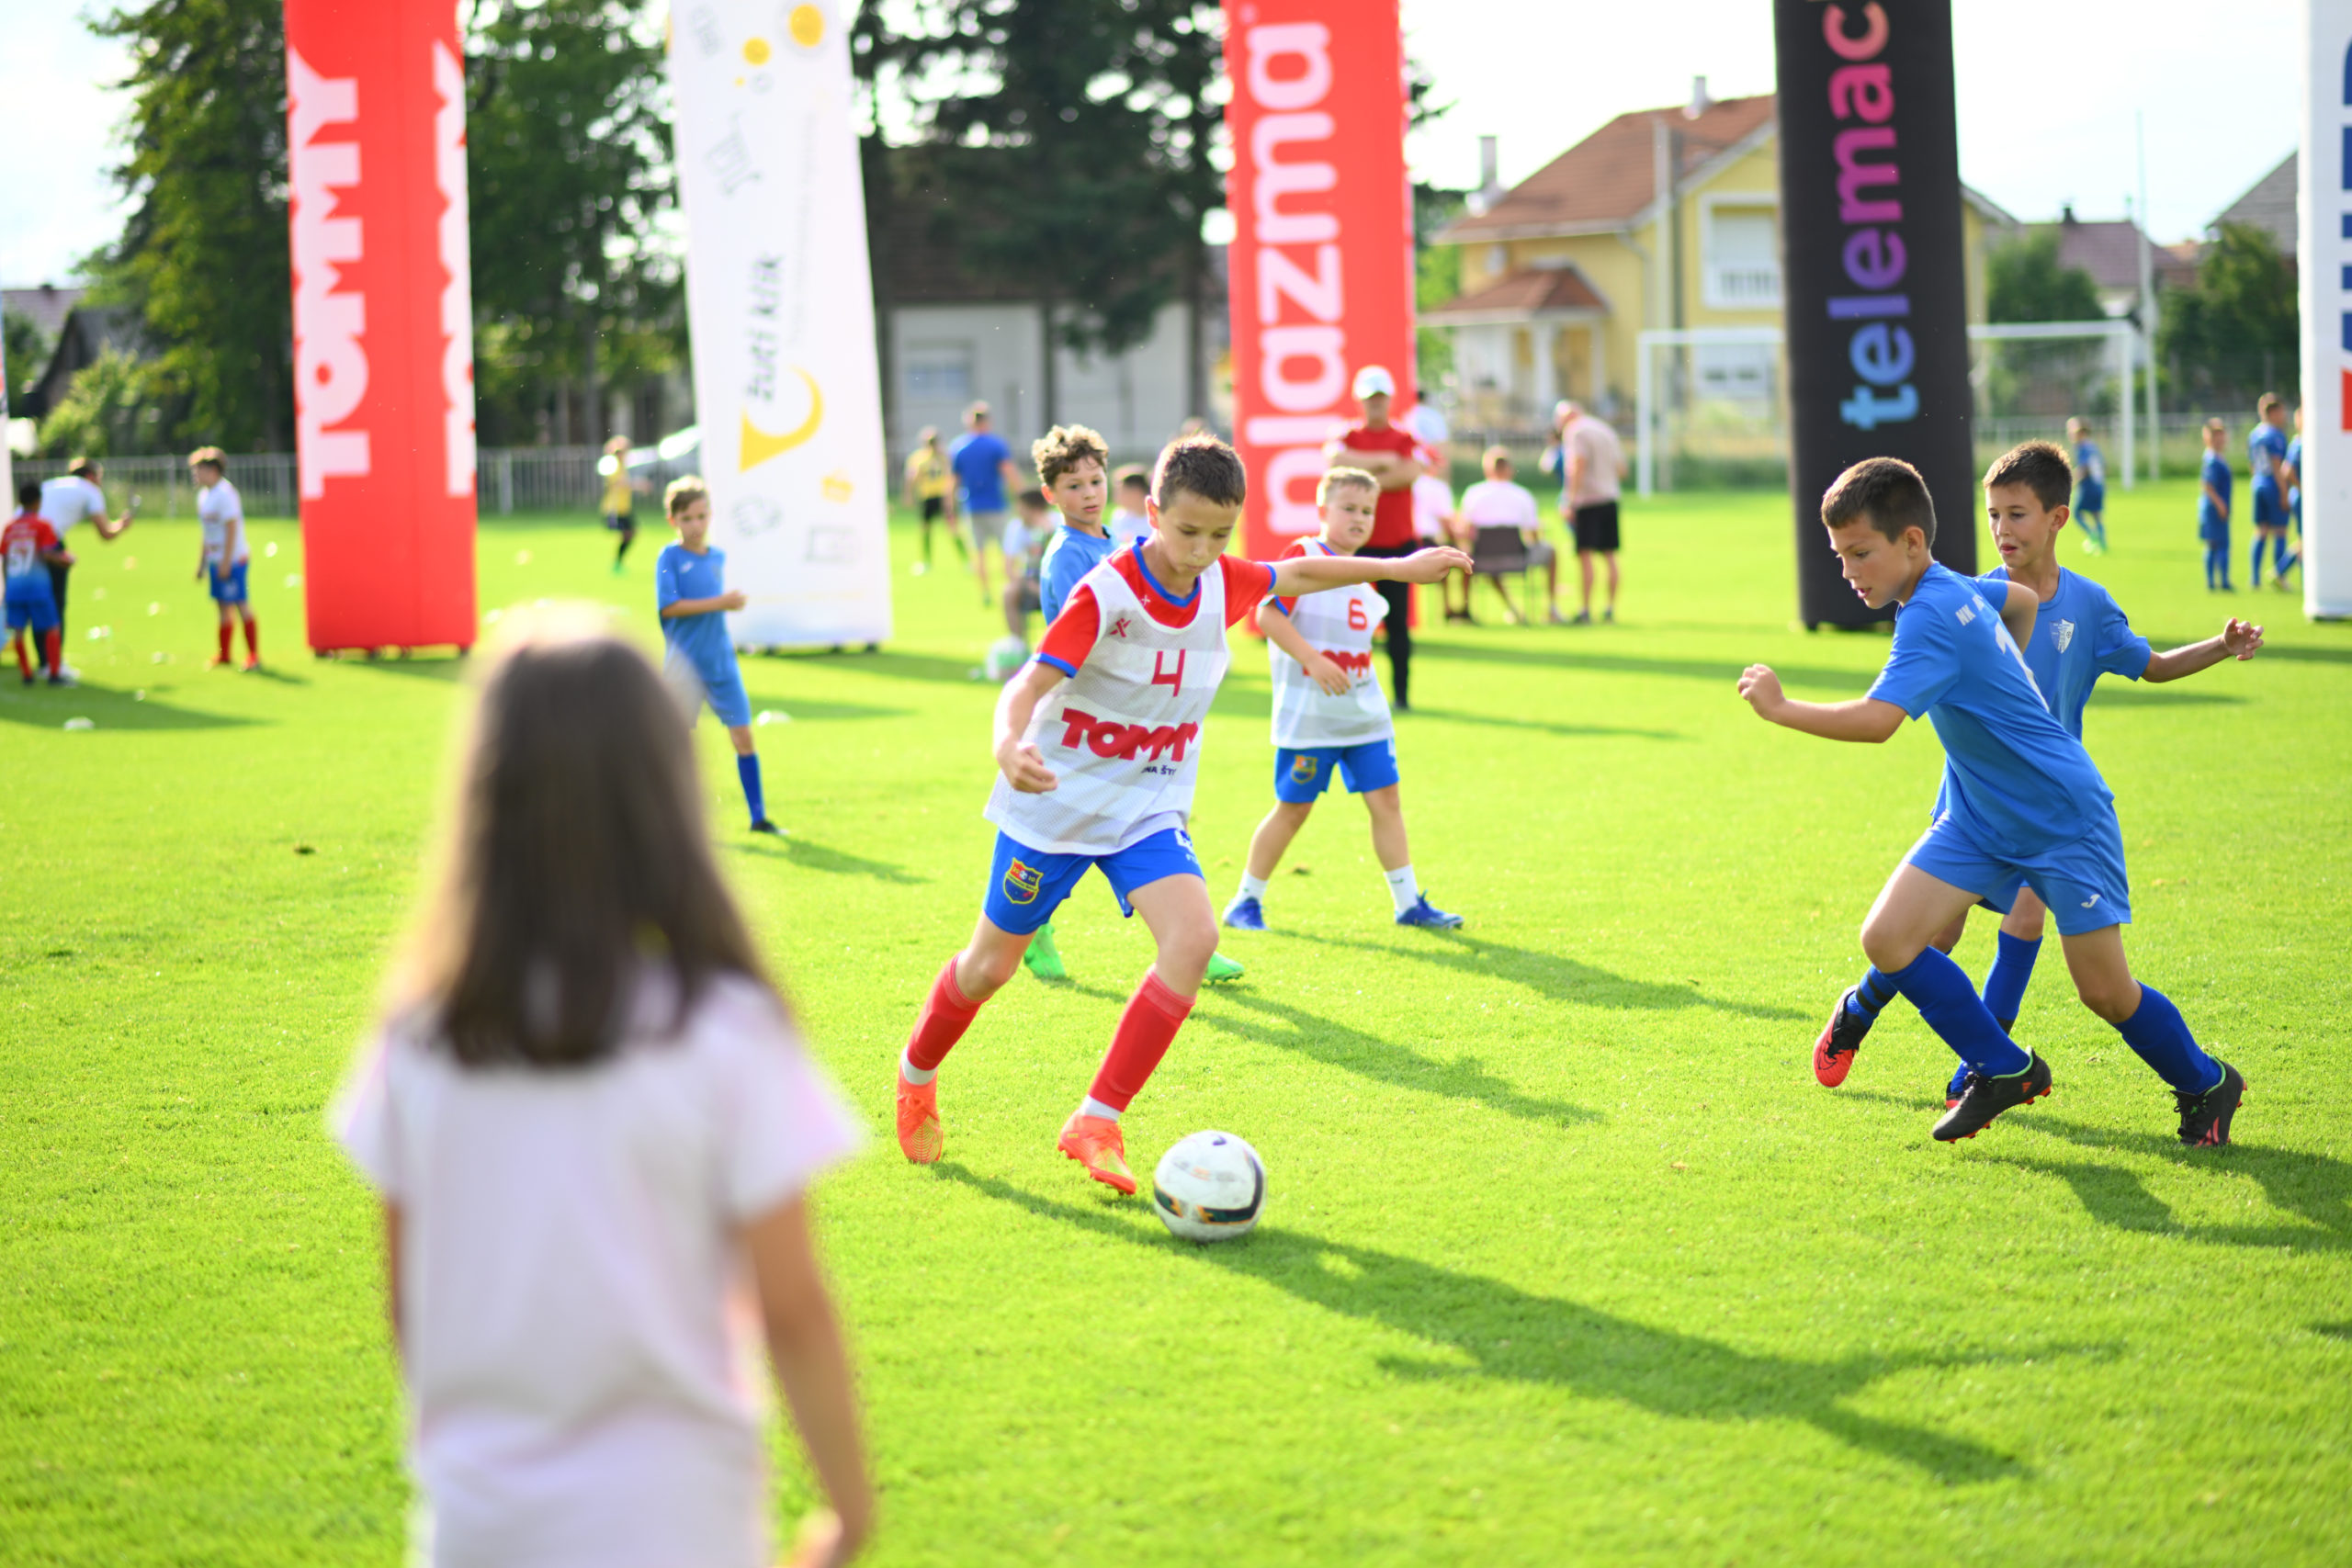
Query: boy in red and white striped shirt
{"type": "Point", "coordinates": [1098, 745]}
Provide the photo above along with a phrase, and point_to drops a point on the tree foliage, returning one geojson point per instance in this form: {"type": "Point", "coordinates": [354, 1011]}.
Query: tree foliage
{"type": "Point", "coordinates": [27, 351]}
{"type": "Point", "coordinates": [2025, 282]}
{"type": "Point", "coordinates": [2237, 332]}
{"type": "Point", "coordinates": [110, 408]}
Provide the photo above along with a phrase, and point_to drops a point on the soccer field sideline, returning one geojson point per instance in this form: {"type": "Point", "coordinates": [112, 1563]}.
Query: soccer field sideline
{"type": "Point", "coordinates": [1567, 1256]}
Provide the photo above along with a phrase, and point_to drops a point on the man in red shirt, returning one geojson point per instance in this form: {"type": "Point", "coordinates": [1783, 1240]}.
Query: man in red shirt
{"type": "Point", "coordinates": [1385, 452]}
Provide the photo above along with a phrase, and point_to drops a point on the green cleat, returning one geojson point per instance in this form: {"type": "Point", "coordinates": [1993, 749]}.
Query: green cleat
{"type": "Point", "coordinates": [1222, 969]}
{"type": "Point", "coordinates": [1043, 958]}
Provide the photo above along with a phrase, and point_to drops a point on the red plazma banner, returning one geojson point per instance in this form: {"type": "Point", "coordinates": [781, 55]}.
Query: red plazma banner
{"type": "Point", "coordinates": [1322, 257]}
{"type": "Point", "coordinates": [383, 333]}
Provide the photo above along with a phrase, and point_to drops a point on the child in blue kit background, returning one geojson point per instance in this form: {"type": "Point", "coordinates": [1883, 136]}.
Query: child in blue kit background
{"type": "Point", "coordinates": [2266, 452]}
{"type": "Point", "coordinates": [2213, 508]}
{"type": "Point", "coordinates": [2292, 477]}
{"type": "Point", "coordinates": [690, 588]}
{"type": "Point", "coordinates": [2023, 806]}
{"type": "Point", "coordinates": [2090, 487]}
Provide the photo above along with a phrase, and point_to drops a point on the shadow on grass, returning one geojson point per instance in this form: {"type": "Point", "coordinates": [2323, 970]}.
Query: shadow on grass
{"type": "Point", "coordinates": [1725, 670]}
{"type": "Point", "coordinates": [2315, 1188]}
{"type": "Point", "coordinates": [446, 666]}
{"type": "Point", "coordinates": [1553, 976]}
{"type": "Point", "coordinates": [1289, 1028]}
{"type": "Point", "coordinates": [810, 855]}
{"type": "Point", "coordinates": [1514, 1335]}
{"type": "Point", "coordinates": [48, 708]}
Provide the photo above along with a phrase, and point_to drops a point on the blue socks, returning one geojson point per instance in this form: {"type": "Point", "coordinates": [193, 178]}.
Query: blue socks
{"type": "Point", "coordinates": [1940, 990]}
{"type": "Point", "coordinates": [2253, 565]}
{"type": "Point", "coordinates": [2012, 967]}
{"type": "Point", "coordinates": [2279, 559]}
{"type": "Point", "coordinates": [748, 770]}
{"type": "Point", "coordinates": [2217, 564]}
{"type": "Point", "coordinates": [2156, 1031]}
{"type": "Point", "coordinates": [1870, 996]}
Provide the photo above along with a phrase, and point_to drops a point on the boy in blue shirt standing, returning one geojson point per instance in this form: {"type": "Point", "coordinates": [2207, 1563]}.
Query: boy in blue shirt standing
{"type": "Point", "coordinates": [982, 465]}
{"type": "Point", "coordinates": [2023, 805]}
{"type": "Point", "coordinates": [2079, 634]}
{"type": "Point", "coordinates": [2090, 488]}
{"type": "Point", "coordinates": [690, 588]}
{"type": "Point", "coordinates": [2213, 508]}
{"type": "Point", "coordinates": [2293, 480]}
{"type": "Point", "coordinates": [2266, 452]}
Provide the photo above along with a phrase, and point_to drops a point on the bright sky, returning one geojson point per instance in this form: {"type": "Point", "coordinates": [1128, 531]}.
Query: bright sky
{"type": "Point", "coordinates": [2047, 97]}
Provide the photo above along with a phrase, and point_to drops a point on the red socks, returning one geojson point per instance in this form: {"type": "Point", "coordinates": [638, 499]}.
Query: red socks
{"type": "Point", "coordinates": [227, 636]}
{"type": "Point", "coordinates": [54, 639]}
{"type": "Point", "coordinates": [252, 640]}
{"type": "Point", "coordinates": [1146, 1030]}
{"type": "Point", "coordinates": [24, 658]}
{"type": "Point", "coordinates": [946, 1015]}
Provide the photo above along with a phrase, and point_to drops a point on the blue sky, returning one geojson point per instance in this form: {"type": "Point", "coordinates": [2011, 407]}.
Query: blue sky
{"type": "Point", "coordinates": [2047, 98]}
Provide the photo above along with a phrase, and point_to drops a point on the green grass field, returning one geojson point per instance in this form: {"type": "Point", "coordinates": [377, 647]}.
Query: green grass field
{"type": "Point", "coordinates": [1568, 1257]}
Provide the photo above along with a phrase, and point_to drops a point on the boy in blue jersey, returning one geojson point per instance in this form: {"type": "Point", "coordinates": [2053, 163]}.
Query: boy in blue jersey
{"type": "Point", "coordinates": [2079, 634]}
{"type": "Point", "coordinates": [2090, 488]}
{"type": "Point", "coordinates": [2265, 453]}
{"type": "Point", "coordinates": [2292, 477]}
{"type": "Point", "coordinates": [2213, 508]}
{"type": "Point", "coordinates": [2023, 805]}
{"type": "Point", "coordinates": [690, 588]}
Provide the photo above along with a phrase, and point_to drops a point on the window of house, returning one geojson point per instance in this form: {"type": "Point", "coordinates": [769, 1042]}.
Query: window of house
{"type": "Point", "coordinates": [1743, 258]}
{"type": "Point", "coordinates": [1736, 372]}
{"type": "Point", "coordinates": [938, 372]}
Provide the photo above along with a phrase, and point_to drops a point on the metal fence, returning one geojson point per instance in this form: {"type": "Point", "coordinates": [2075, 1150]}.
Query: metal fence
{"type": "Point", "coordinates": [161, 486]}
{"type": "Point", "coordinates": [508, 480]}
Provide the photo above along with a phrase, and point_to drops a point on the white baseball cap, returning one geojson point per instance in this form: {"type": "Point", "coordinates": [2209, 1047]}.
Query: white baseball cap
{"type": "Point", "coordinates": [1374, 379]}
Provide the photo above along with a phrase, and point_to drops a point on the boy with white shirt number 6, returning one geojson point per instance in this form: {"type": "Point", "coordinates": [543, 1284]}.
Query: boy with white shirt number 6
{"type": "Point", "coordinates": [228, 552]}
{"type": "Point", "coordinates": [1098, 745]}
{"type": "Point", "coordinates": [1329, 714]}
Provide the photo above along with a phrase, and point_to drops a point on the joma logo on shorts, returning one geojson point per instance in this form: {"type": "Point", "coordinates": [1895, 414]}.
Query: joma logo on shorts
{"type": "Point", "coordinates": [1107, 738]}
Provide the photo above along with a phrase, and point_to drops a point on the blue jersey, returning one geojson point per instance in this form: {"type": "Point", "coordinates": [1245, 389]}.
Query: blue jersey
{"type": "Point", "coordinates": [2295, 461]}
{"type": "Point", "coordinates": [1069, 555]}
{"type": "Point", "coordinates": [978, 460]}
{"type": "Point", "coordinates": [679, 574]}
{"type": "Point", "coordinates": [2080, 634]}
{"type": "Point", "coordinates": [2266, 449]}
{"type": "Point", "coordinates": [2211, 522]}
{"type": "Point", "coordinates": [2015, 782]}
{"type": "Point", "coordinates": [2090, 479]}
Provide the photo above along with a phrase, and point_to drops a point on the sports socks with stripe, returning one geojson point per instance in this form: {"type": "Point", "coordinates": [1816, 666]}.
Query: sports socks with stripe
{"type": "Point", "coordinates": [1871, 995]}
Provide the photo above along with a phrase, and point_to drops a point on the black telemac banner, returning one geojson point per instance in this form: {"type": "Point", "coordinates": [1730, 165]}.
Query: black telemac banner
{"type": "Point", "coordinates": [1874, 273]}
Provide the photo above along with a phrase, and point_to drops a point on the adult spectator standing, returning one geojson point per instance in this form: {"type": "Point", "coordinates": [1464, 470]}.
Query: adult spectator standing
{"type": "Point", "coordinates": [1386, 452]}
{"type": "Point", "coordinates": [1592, 466]}
{"type": "Point", "coordinates": [983, 467]}
{"type": "Point", "coordinates": [75, 497]}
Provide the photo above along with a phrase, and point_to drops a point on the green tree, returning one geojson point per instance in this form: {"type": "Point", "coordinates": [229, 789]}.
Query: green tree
{"type": "Point", "coordinates": [2025, 282]}
{"type": "Point", "coordinates": [202, 256]}
{"type": "Point", "coordinates": [2237, 333]}
{"type": "Point", "coordinates": [570, 170]}
{"type": "Point", "coordinates": [110, 407]}
{"type": "Point", "coordinates": [27, 351]}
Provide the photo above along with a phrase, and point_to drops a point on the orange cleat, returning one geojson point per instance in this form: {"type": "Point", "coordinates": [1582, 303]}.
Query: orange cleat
{"type": "Point", "coordinates": [1094, 1142]}
{"type": "Point", "coordinates": [219, 661]}
{"type": "Point", "coordinates": [920, 1138]}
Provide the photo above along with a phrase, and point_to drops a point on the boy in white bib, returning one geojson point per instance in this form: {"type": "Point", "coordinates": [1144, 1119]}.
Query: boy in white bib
{"type": "Point", "coordinates": [1098, 742]}
{"type": "Point", "coordinates": [1329, 714]}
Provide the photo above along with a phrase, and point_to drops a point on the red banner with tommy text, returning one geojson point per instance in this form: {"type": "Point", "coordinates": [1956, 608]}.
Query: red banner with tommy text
{"type": "Point", "coordinates": [1322, 256]}
{"type": "Point", "coordinates": [383, 336]}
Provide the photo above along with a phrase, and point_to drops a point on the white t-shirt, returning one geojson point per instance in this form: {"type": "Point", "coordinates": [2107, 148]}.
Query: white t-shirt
{"type": "Point", "coordinates": [1432, 503]}
{"type": "Point", "coordinates": [1596, 443]}
{"type": "Point", "coordinates": [1125, 527]}
{"type": "Point", "coordinates": [584, 1377]}
{"type": "Point", "coordinates": [69, 498]}
{"type": "Point", "coordinates": [216, 507]}
{"type": "Point", "coordinates": [1499, 503]}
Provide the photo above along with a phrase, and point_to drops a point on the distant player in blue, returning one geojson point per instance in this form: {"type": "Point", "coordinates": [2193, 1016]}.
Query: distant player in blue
{"type": "Point", "coordinates": [982, 465]}
{"type": "Point", "coordinates": [2266, 452]}
{"type": "Point", "coordinates": [2293, 480]}
{"type": "Point", "coordinates": [2023, 806]}
{"type": "Point", "coordinates": [690, 588]}
{"type": "Point", "coordinates": [2090, 488]}
{"type": "Point", "coordinates": [2213, 507]}
{"type": "Point", "coordinates": [2079, 634]}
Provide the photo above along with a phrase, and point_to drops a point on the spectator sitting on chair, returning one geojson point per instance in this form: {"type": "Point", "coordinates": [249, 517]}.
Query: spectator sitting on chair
{"type": "Point", "coordinates": [1496, 502]}
{"type": "Point", "coordinates": [1592, 464]}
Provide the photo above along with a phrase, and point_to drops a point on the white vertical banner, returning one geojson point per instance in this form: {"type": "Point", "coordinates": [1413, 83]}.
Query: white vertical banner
{"type": "Point", "coordinates": [2323, 246]}
{"type": "Point", "coordinates": [781, 310]}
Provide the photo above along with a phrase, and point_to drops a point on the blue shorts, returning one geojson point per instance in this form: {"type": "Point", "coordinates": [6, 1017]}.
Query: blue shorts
{"type": "Point", "coordinates": [2091, 499]}
{"type": "Point", "coordinates": [2269, 507]}
{"type": "Point", "coordinates": [1026, 886]}
{"type": "Point", "coordinates": [228, 587]}
{"type": "Point", "coordinates": [722, 689]}
{"type": "Point", "coordinates": [2083, 881]}
{"type": "Point", "coordinates": [38, 611]}
{"type": "Point", "coordinates": [1302, 774]}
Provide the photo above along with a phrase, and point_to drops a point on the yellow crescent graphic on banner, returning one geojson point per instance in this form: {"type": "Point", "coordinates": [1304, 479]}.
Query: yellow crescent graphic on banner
{"type": "Point", "coordinates": [758, 445]}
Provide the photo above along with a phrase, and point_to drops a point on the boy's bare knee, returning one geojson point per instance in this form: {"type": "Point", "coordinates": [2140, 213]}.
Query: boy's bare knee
{"type": "Point", "coordinates": [2112, 1000]}
{"type": "Point", "coordinates": [1884, 947]}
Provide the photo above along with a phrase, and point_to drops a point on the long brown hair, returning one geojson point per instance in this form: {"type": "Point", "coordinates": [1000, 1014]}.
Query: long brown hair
{"type": "Point", "coordinates": [574, 855]}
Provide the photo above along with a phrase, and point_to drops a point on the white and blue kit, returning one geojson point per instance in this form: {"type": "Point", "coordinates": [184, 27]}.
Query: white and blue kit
{"type": "Point", "coordinates": [219, 510]}
{"type": "Point", "coordinates": [1316, 734]}
{"type": "Point", "coordinates": [698, 660]}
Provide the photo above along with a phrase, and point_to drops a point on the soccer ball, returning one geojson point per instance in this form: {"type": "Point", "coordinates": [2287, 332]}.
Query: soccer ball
{"type": "Point", "coordinates": [1209, 1187]}
{"type": "Point", "coordinates": [1006, 658]}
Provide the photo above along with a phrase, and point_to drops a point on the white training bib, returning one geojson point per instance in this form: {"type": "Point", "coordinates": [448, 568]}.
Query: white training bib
{"type": "Point", "coordinates": [1124, 734]}
{"type": "Point", "coordinates": [1338, 624]}
{"type": "Point", "coordinates": [216, 506]}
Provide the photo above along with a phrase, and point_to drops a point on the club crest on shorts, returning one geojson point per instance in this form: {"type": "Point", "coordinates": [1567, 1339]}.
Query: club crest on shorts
{"type": "Point", "coordinates": [2061, 633]}
{"type": "Point", "coordinates": [1022, 883]}
{"type": "Point", "coordinates": [1301, 769]}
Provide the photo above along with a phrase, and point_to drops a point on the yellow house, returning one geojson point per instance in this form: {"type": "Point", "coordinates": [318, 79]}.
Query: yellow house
{"type": "Point", "coordinates": [1561, 272]}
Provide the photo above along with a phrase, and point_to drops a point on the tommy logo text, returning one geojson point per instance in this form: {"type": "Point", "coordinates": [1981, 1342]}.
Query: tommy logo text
{"type": "Point", "coordinates": [1107, 738]}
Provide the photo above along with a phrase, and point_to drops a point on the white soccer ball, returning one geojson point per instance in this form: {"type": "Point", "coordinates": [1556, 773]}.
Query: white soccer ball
{"type": "Point", "coordinates": [1209, 1187]}
{"type": "Point", "coordinates": [1006, 656]}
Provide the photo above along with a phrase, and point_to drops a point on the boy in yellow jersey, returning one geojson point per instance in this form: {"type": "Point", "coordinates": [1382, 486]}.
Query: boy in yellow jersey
{"type": "Point", "coordinates": [618, 501]}
{"type": "Point", "coordinates": [930, 494]}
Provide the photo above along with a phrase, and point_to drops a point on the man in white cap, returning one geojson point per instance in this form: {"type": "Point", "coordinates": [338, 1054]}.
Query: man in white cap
{"type": "Point", "coordinates": [1385, 451]}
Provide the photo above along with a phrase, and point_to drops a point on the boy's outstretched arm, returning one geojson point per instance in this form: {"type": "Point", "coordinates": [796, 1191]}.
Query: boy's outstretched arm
{"type": "Point", "coordinates": [2238, 639]}
{"type": "Point", "coordinates": [1290, 640]}
{"type": "Point", "coordinates": [1864, 718]}
{"type": "Point", "coordinates": [1024, 769]}
{"type": "Point", "coordinates": [1312, 574]}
